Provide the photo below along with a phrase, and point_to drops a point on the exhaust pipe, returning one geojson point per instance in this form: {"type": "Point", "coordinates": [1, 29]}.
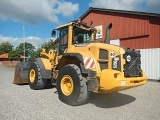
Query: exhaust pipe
{"type": "Point", "coordinates": [107, 39]}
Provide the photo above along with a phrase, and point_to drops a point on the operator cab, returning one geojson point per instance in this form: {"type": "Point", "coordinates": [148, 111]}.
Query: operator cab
{"type": "Point", "coordinates": [73, 33]}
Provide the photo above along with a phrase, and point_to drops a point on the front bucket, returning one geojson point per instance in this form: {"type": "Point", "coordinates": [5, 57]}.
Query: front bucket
{"type": "Point", "coordinates": [21, 73]}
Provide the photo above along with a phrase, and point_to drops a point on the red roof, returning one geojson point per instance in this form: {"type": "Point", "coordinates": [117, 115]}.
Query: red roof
{"type": "Point", "coordinates": [4, 55]}
{"type": "Point", "coordinates": [22, 57]}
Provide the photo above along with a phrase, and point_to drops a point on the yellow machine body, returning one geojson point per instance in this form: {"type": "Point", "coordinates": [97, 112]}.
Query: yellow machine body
{"type": "Point", "coordinates": [107, 78]}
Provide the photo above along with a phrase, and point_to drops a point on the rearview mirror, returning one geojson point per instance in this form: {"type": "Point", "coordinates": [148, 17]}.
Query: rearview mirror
{"type": "Point", "coordinates": [53, 34]}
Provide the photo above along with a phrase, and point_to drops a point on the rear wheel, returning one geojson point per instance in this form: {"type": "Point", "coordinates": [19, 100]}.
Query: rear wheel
{"type": "Point", "coordinates": [35, 79]}
{"type": "Point", "coordinates": [71, 86]}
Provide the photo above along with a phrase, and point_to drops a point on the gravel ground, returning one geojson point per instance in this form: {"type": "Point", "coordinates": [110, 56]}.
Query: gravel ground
{"type": "Point", "coordinates": [22, 103]}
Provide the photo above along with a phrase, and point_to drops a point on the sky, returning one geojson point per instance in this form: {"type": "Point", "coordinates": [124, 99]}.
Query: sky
{"type": "Point", "coordinates": [33, 20]}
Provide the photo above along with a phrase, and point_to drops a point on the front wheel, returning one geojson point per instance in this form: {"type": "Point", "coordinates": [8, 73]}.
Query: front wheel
{"type": "Point", "coordinates": [35, 79]}
{"type": "Point", "coordinates": [71, 86]}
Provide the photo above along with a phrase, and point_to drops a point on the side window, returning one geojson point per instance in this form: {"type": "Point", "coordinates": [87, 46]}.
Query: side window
{"type": "Point", "coordinates": [63, 40]}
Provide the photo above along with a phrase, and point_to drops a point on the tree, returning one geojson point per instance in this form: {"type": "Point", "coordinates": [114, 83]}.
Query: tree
{"type": "Point", "coordinates": [29, 49]}
{"type": "Point", "coordinates": [49, 45]}
{"type": "Point", "coordinates": [35, 54]}
{"type": "Point", "coordinates": [14, 55]}
{"type": "Point", "coordinates": [5, 47]}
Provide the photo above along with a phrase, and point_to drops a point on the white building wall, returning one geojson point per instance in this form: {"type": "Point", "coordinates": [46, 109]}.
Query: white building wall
{"type": "Point", "coordinates": [115, 42]}
{"type": "Point", "coordinates": [150, 59]}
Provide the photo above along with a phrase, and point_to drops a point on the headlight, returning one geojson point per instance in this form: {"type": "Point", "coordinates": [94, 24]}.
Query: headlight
{"type": "Point", "coordinates": [128, 58]}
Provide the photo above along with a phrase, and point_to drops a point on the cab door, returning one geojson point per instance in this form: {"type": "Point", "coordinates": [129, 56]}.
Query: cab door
{"type": "Point", "coordinates": [63, 40]}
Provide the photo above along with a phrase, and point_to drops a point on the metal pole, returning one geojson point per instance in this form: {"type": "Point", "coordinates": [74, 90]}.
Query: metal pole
{"type": "Point", "coordinates": [24, 42]}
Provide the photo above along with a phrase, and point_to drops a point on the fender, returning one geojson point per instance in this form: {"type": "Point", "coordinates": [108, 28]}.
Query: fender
{"type": "Point", "coordinates": [74, 56]}
{"type": "Point", "coordinates": [70, 58]}
{"type": "Point", "coordinates": [45, 67]}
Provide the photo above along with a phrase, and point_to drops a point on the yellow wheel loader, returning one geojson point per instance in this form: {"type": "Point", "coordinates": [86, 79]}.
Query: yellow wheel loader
{"type": "Point", "coordinates": [80, 65]}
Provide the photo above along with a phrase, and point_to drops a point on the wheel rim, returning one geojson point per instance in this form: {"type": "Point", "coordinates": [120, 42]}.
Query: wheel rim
{"type": "Point", "coordinates": [32, 75]}
{"type": "Point", "coordinates": [67, 85]}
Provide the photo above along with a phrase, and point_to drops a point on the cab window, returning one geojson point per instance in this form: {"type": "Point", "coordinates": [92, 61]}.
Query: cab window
{"type": "Point", "coordinates": [81, 35]}
{"type": "Point", "coordinates": [63, 39]}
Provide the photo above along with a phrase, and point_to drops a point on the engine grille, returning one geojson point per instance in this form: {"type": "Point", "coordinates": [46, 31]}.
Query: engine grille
{"type": "Point", "coordinates": [132, 68]}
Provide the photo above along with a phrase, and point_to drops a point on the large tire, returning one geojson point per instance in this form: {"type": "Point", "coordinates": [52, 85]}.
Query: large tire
{"type": "Point", "coordinates": [71, 86]}
{"type": "Point", "coordinates": [34, 77]}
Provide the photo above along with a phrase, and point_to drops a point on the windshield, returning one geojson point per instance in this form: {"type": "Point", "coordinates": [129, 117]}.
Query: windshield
{"type": "Point", "coordinates": [81, 35]}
